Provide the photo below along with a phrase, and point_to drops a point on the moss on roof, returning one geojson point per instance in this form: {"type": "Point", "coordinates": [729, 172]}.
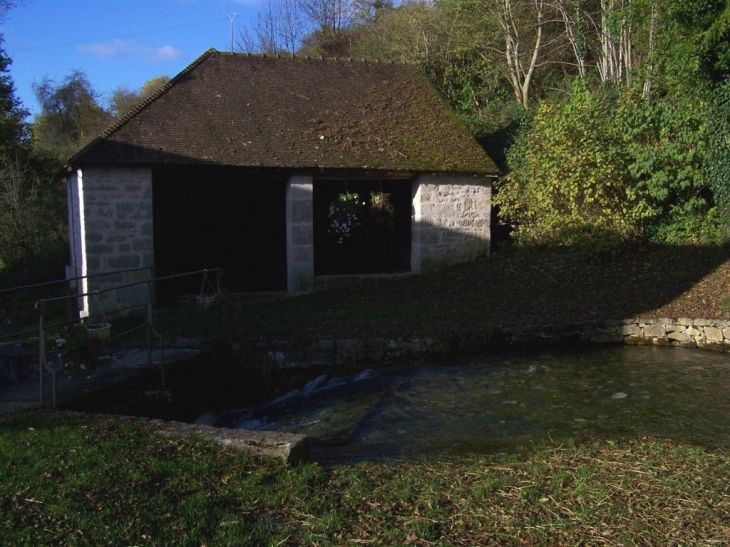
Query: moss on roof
{"type": "Point", "coordinates": [289, 112]}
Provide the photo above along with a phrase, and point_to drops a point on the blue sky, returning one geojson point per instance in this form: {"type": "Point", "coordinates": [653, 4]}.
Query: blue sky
{"type": "Point", "coordinates": [114, 42]}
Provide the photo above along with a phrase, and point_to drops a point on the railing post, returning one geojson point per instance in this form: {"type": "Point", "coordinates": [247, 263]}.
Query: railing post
{"type": "Point", "coordinates": [218, 282]}
{"type": "Point", "coordinates": [41, 307]}
{"type": "Point", "coordinates": [152, 331]}
{"type": "Point", "coordinates": [149, 323]}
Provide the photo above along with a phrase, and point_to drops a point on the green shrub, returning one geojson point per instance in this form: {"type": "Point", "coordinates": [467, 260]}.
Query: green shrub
{"type": "Point", "coordinates": [606, 168]}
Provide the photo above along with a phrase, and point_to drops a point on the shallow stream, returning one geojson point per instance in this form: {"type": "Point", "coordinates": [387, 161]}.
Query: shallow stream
{"type": "Point", "coordinates": [502, 402]}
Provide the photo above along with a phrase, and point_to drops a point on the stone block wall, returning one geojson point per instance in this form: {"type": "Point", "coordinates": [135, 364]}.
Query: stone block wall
{"type": "Point", "coordinates": [704, 334]}
{"type": "Point", "coordinates": [709, 334]}
{"type": "Point", "coordinates": [118, 233]}
{"type": "Point", "coordinates": [451, 221]}
{"type": "Point", "coordinates": [299, 236]}
{"type": "Point", "coordinates": [16, 364]}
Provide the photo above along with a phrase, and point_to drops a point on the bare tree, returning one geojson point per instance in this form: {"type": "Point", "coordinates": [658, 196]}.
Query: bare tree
{"type": "Point", "coordinates": [615, 62]}
{"type": "Point", "coordinates": [575, 19]}
{"type": "Point", "coordinates": [6, 6]}
{"type": "Point", "coordinates": [280, 27]}
{"type": "Point", "coordinates": [652, 47]}
{"type": "Point", "coordinates": [328, 16]}
{"type": "Point", "coordinates": [523, 25]}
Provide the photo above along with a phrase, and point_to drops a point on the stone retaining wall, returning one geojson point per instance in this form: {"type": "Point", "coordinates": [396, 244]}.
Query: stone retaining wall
{"type": "Point", "coordinates": [687, 333]}
{"type": "Point", "coordinates": [17, 365]}
{"type": "Point", "coordinates": [709, 334]}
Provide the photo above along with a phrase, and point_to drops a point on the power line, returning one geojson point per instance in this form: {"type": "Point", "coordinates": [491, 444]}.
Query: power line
{"type": "Point", "coordinates": [129, 35]}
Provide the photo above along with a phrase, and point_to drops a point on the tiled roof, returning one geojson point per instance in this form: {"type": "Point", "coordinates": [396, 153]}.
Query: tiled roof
{"type": "Point", "coordinates": [290, 112]}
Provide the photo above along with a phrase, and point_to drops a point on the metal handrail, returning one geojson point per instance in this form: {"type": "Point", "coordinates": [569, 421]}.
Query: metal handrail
{"type": "Point", "coordinates": [48, 283]}
{"type": "Point", "coordinates": [149, 324]}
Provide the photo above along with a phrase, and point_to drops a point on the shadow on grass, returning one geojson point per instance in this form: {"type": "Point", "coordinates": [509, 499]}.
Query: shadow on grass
{"type": "Point", "coordinates": [514, 288]}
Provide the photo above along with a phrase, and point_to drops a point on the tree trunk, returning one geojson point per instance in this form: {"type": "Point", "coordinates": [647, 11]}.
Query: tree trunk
{"type": "Point", "coordinates": [520, 74]}
{"type": "Point", "coordinates": [573, 18]}
{"type": "Point", "coordinates": [652, 48]}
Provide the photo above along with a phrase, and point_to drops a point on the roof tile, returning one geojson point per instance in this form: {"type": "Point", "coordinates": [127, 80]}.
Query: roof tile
{"type": "Point", "coordinates": [289, 112]}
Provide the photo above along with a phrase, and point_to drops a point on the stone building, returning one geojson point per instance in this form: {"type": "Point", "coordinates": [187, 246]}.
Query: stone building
{"type": "Point", "coordinates": [247, 163]}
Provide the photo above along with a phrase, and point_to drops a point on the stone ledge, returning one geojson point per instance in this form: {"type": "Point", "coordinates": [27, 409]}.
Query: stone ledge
{"type": "Point", "coordinates": [703, 334]}
{"type": "Point", "coordinates": [289, 447]}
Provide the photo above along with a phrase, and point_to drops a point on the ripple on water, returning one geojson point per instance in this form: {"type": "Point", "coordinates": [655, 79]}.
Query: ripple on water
{"type": "Point", "coordinates": [502, 402]}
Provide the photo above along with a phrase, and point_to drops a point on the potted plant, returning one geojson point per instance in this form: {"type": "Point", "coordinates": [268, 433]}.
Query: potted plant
{"type": "Point", "coordinates": [78, 350]}
{"type": "Point", "coordinates": [344, 215]}
{"type": "Point", "coordinates": [381, 214]}
{"type": "Point", "coordinates": [102, 330]}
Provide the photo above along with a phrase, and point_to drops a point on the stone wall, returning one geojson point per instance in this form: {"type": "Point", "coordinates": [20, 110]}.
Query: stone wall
{"type": "Point", "coordinates": [687, 333]}
{"type": "Point", "coordinates": [117, 208]}
{"type": "Point", "coordinates": [451, 221]}
{"type": "Point", "coordinates": [684, 332]}
{"type": "Point", "coordinates": [16, 364]}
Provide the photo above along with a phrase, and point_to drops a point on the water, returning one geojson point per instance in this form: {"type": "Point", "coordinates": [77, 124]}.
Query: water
{"type": "Point", "coordinates": [504, 402]}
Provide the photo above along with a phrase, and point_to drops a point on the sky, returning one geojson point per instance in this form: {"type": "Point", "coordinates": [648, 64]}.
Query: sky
{"type": "Point", "coordinates": [114, 42]}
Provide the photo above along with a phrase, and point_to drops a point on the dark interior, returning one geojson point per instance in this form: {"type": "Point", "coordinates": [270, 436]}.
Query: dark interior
{"type": "Point", "coordinates": [367, 250]}
{"type": "Point", "coordinates": [215, 217]}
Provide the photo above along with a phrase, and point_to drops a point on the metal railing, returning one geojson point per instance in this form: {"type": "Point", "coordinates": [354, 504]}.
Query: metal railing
{"type": "Point", "coordinates": [149, 324]}
{"type": "Point", "coordinates": [70, 290]}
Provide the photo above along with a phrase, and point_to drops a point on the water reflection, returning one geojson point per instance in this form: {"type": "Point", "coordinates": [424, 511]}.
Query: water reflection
{"type": "Point", "coordinates": [502, 402]}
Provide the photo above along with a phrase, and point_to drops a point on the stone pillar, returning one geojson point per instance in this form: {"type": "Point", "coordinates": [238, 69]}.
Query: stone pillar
{"type": "Point", "coordinates": [299, 236]}
{"type": "Point", "coordinates": [76, 236]}
{"type": "Point", "coordinates": [451, 221]}
{"type": "Point", "coordinates": [117, 228]}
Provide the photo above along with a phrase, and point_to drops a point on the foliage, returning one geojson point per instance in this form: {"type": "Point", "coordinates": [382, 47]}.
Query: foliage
{"type": "Point", "coordinates": [124, 99]}
{"type": "Point", "coordinates": [71, 115]}
{"type": "Point", "coordinates": [350, 214]}
{"type": "Point", "coordinates": [570, 183]}
{"type": "Point", "coordinates": [31, 212]}
{"type": "Point", "coordinates": [14, 130]}
{"type": "Point", "coordinates": [344, 215]}
{"type": "Point", "coordinates": [599, 169]}
{"type": "Point", "coordinates": [381, 214]}
{"type": "Point", "coordinates": [707, 25]}
{"type": "Point", "coordinates": [668, 149]}
{"type": "Point", "coordinates": [78, 350]}
{"type": "Point", "coordinates": [31, 204]}
{"type": "Point", "coordinates": [717, 166]}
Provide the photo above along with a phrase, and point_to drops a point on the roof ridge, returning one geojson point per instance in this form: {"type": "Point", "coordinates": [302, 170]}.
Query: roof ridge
{"type": "Point", "coordinates": [317, 58]}
{"type": "Point", "coordinates": [118, 124]}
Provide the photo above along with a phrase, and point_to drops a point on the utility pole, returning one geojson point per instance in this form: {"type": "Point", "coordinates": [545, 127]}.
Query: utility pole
{"type": "Point", "coordinates": [231, 17]}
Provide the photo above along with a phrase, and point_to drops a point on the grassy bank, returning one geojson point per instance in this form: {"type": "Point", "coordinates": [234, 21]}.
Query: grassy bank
{"type": "Point", "coordinates": [527, 288]}
{"type": "Point", "coordinates": [74, 480]}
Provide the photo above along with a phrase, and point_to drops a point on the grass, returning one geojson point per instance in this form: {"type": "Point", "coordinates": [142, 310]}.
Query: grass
{"type": "Point", "coordinates": [516, 288]}
{"type": "Point", "coordinates": [70, 479]}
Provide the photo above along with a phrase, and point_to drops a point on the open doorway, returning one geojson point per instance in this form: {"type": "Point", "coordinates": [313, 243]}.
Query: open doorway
{"type": "Point", "coordinates": [215, 217]}
{"type": "Point", "coordinates": [362, 226]}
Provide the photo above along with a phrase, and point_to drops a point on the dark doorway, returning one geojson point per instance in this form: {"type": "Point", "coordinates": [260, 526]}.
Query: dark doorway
{"type": "Point", "coordinates": [379, 238]}
{"type": "Point", "coordinates": [214, 217]}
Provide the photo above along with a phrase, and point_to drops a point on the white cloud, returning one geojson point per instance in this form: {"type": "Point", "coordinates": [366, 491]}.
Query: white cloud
{"type": "Point", "coordinates": [164, 53]}
{"type": "Point", "coordinates": [121, 49]}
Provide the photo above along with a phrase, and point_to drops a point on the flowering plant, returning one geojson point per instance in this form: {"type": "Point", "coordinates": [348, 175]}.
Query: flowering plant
{"type": "Point", "coordinates": [344, 215]}
{"type": "Point", "coordinates": [78, 350]}
{"type": "Point", "coordinates": [381, 212]}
